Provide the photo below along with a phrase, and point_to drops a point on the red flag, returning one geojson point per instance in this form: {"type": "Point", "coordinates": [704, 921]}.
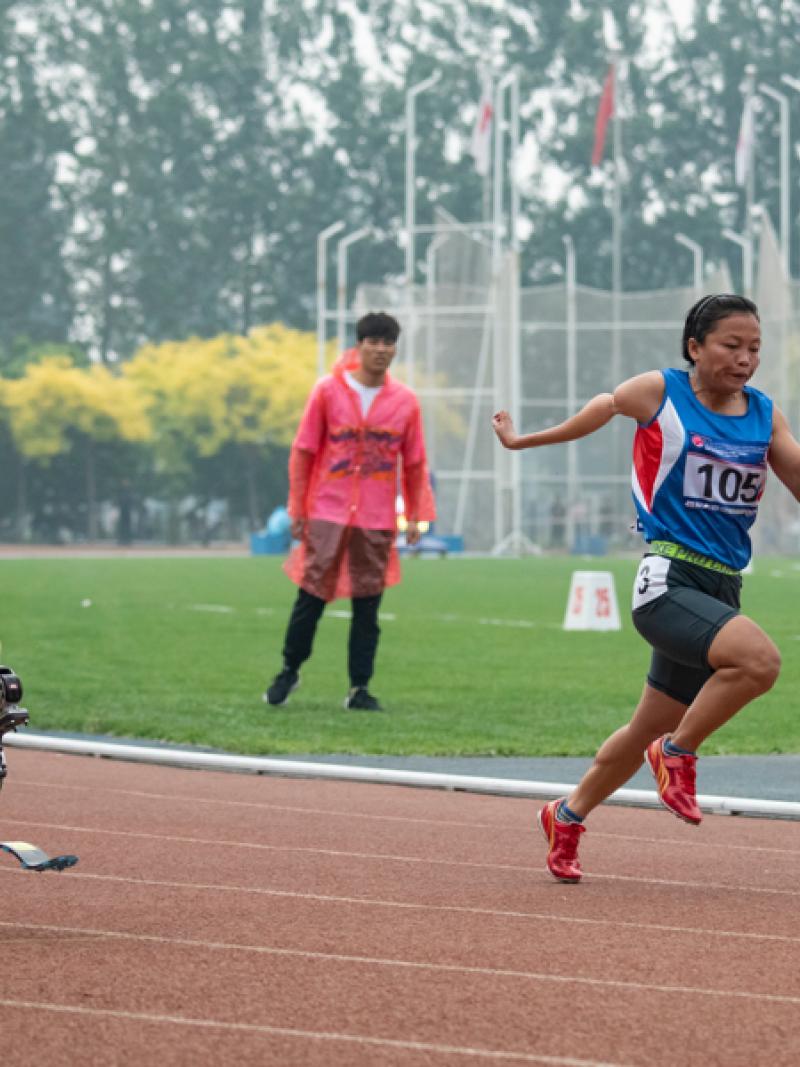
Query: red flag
{"type": "Point", "coordinates": [604, 113]}
{"type": "Point", "coordinates": [481, 146]}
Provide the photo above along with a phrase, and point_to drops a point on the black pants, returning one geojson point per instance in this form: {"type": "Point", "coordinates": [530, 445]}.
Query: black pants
{"type": "Point", "coordinates": [364, 634]}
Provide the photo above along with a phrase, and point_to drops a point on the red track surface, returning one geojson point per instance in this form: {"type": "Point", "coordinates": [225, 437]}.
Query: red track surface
{"type": "Point", "coordinates": [217, 918]}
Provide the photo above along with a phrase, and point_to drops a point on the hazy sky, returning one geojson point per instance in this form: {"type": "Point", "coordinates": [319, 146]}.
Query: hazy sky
{"type": "Point", "coordinates": [682, 10]}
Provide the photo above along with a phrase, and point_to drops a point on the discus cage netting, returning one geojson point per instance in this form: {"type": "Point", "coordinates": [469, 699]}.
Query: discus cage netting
{"type": "Point", "coordinates": [475, 341]}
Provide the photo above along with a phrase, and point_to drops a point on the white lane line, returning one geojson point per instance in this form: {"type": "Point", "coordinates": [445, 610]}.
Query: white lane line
{"type": "Point", "coordinates": [267, 806]}
{"type": "Point", "coordinates": [26, 941]}
{"type": "Point", "coordinates": [724, 845]}
{"type": "Point", "coordinates": [394, 858]}
{"type": "Point", "coordinates": [311, 1035]}
{"type": "Point", "coordinates": [388, 857]}
{"type": "Point", "coordinates": [412, 965]}
{"type": "Point", "coordinates": [401, 905]}
{"type": "Point", "coordinates": [495, 828]}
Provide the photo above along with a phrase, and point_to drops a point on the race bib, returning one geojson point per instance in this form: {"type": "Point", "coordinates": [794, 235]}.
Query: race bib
{"type": "Point", "coordinates": [651, 580]}
{"type": "Point", "coordinates": [721, 476]}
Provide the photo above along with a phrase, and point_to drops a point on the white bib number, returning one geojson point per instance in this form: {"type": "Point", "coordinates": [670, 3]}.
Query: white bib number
{"type": "Point", "coordinates": [651, 580]}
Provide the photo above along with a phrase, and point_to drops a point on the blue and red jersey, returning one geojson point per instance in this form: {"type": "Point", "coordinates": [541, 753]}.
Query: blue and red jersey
{"type": "Point", "coordinates": [698, 477]}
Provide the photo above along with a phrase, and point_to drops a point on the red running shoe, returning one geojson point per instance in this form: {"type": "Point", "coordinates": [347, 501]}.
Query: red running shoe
{"type": "Point", "coordinates": [675, 779]}
{"type": "Point", "coordinates": [562, 837]}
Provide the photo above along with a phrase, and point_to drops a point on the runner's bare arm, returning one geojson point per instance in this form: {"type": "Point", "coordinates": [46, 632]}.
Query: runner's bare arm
{"type": "Point", "coordinates": [784, 454]}
{"type": "Point", "coordinates": [638, 398]}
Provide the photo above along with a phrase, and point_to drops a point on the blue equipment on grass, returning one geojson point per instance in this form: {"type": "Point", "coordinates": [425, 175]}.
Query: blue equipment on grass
{"type": "Point", "coordinates": [276, 537]}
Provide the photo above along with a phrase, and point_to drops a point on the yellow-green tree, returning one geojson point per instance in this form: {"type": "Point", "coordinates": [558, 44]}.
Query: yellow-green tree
{"type": "Point", "coordinates": [244, 393]}
{"type": "Point", "coordinates": [56, 405]}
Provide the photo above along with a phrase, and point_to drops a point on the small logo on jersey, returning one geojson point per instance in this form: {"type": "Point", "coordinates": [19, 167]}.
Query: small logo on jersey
{"type": "Point", "coordinates": [698, 441]}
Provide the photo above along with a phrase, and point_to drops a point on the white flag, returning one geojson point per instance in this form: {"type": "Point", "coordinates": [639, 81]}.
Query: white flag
{"type": "Point", "coordinates": [481, 145]}
{"type": "Point", "coordinates": [745, 143]}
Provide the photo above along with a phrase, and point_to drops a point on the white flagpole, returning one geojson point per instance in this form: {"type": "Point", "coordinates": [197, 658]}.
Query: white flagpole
{"type": "Point", "coordinates": [745, 242]}
{"type": "Point", "coordinates": [750, 187]}
{"type": "Point", "coordinates": [341, 284]}
{"type": "Point", "coordinates": [616, 224]}
{"type": "Point", "coordinates": [697, 262]}
{"type": "Point", "coordinates": [322, 291]}
{"type": "Point", "coordinates": [783, 106]}
{"type": "Point", "coordinates": [793, 83]}
{"type": "Point", "coordinates": [572, 386]}
{"type": "Point", "coordinates": [411, 212]}
{"type": "Point", "coordinates": [616, 272]}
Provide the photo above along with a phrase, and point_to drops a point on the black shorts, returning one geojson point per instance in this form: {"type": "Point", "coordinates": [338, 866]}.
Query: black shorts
{"type": "Point", "coordinates": [679, 608]}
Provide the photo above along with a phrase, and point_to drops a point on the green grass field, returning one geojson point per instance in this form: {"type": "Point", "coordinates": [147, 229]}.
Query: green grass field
{"type": "Point", "coordinates": [472, 661]}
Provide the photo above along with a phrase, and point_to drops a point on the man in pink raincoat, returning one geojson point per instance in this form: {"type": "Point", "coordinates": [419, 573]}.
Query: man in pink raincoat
{"type": "Point", "coordinates": [358, 427]}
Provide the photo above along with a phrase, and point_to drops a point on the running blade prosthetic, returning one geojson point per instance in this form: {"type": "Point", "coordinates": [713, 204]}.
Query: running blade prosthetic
{"type": "Point", "coordinates": [33, 859]}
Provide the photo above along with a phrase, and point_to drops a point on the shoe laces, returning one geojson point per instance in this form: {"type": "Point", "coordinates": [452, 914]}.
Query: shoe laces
{"type": "Point", "coordinates": [567, 836]}
{"type": "Point", "coordinates": [686, 774]}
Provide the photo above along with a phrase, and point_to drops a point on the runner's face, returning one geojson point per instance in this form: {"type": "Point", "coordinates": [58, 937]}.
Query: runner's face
{"type": "Point", "coordinates": [376, 354]}
{"type": "Point", "coordinates": [729, 355]}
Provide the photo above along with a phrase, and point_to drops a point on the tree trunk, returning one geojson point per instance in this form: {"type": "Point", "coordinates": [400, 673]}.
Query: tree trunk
{"type": "Point", "coordinates": [22, 500]}
{"type": "Point", "coordinates": [247, 290]}
{"type": "Point", "coordinates": [91, 494]}
{"type": "Point", "coordinates": [253, 504]}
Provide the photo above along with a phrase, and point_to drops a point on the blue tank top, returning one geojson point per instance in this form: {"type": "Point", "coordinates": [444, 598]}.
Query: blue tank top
{"type": "Point", "coordinates": [698, 477]}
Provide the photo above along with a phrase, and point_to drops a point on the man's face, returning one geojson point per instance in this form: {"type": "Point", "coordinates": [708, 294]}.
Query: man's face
{"type": "Point", "coordinates": [376, 354]}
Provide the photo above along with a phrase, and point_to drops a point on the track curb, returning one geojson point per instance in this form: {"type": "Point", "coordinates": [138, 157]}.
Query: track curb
{"type": "Point", "coordinates": [217, 761]}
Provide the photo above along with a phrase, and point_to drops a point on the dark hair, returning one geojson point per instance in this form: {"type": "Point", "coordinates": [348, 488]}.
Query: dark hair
{"type": "Point", "coordinates": [378, 324]}
{"type": "Point", "coordinates": [706, 313]}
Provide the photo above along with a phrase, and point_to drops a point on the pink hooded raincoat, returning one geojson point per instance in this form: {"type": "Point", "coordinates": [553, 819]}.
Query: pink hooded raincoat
{"type": "Point", "coordinates": [343, 480]}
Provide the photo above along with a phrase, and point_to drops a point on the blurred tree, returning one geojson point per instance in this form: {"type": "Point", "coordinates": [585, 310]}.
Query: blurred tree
{"type": "Point", "coordinates": [56, 408]}
{"type": "Point", "coordinates": [36, 299]}
{"type": "Point", "coordinates": [681, 101]}
{"type": "Point", "coordinates": [232, 396]}
{"type": "Point", "coordinates": [199, 146]}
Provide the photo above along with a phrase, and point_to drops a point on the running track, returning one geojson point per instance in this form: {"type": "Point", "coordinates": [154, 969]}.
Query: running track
{"type": "Point", "coordinates": [219, 918]}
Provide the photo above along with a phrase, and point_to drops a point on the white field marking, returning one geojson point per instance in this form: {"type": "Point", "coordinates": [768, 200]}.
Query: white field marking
{"type": "Point", "coordinates": [219, 609]}
{"type": "Point", "coordinates": [387, 616]}
{"type": "Point", "coordinates": [388, 857]}
{"type": "Point", "coordinates": [411, 965]}
{"type": "Point", "coordinates": [517, 624]}
{"type": "Point", "coordinates": [494, 827]}
{"type": "Point", "coordinates": [311, 1035]}
{"type": "Point", "coordinates": [402, 905]}
{"type": "Point", "coordinates": [265, 611]}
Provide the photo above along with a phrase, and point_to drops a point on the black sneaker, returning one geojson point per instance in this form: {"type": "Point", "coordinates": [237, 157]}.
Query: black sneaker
{"type": "Point", "coordinates": [282, 685]}
{"type": "Point", "coordinates": [360, 699]}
